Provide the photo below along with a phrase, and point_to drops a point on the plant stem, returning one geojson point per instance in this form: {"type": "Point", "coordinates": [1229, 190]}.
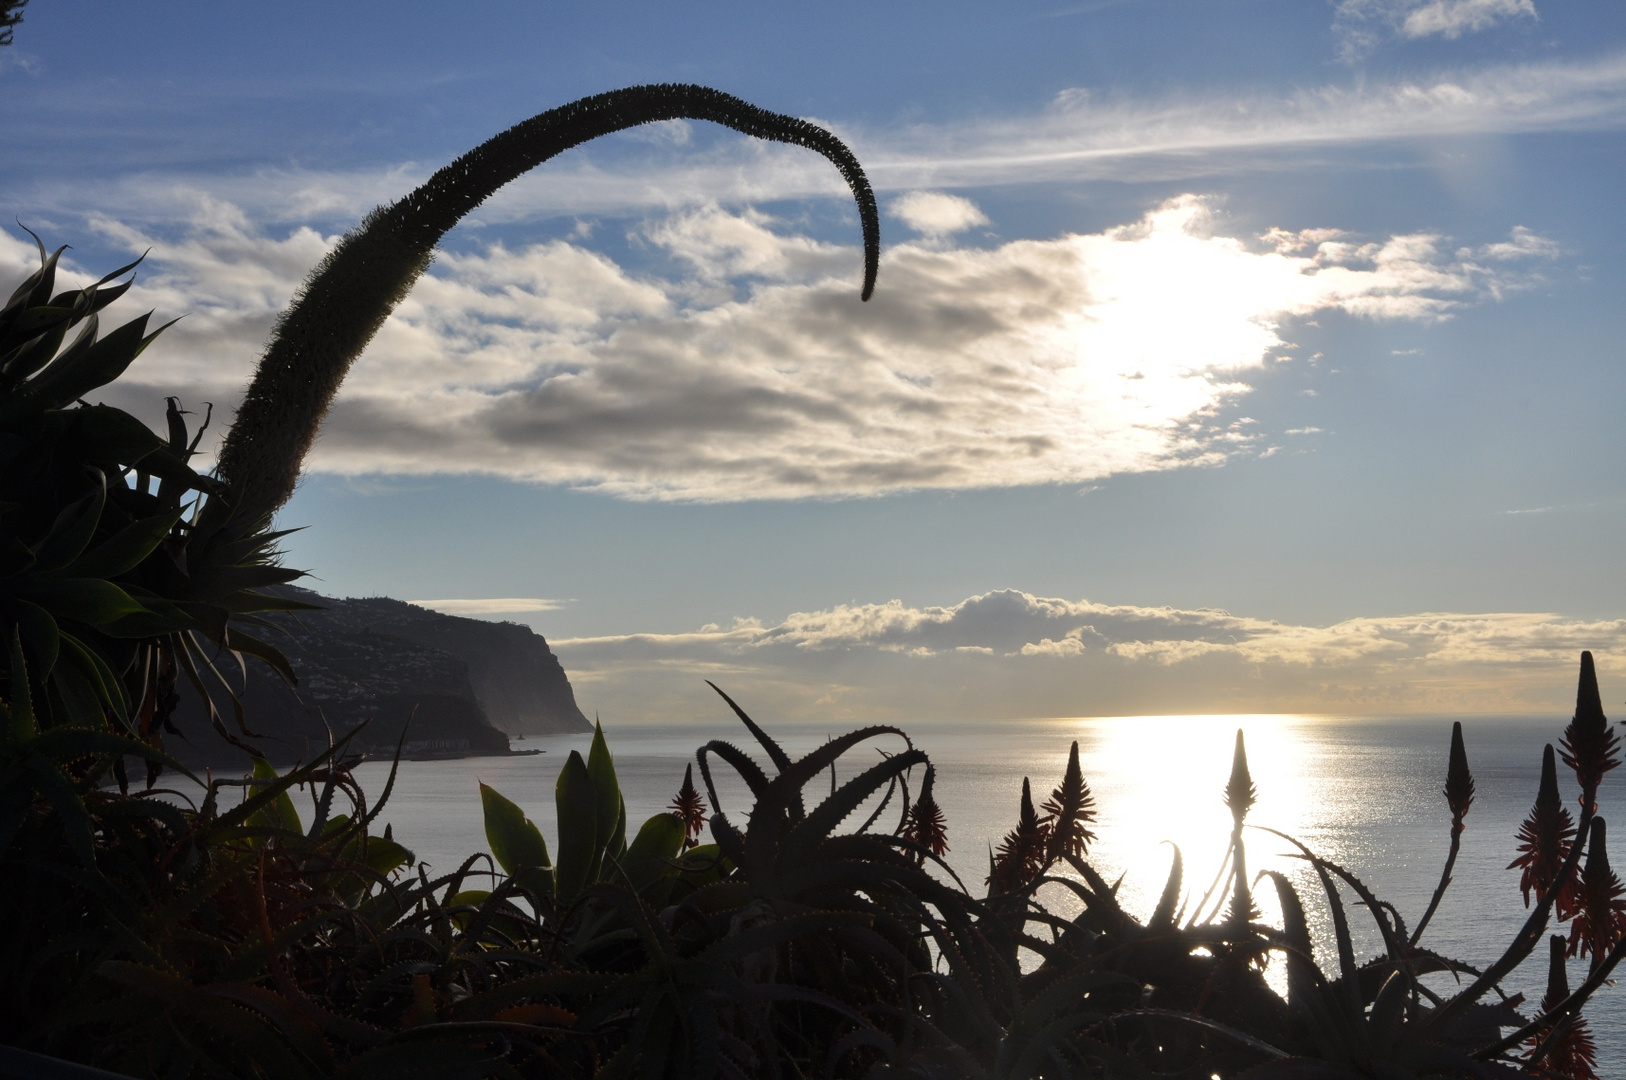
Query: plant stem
{"type": "Point", "coordinates": [1445, 881]}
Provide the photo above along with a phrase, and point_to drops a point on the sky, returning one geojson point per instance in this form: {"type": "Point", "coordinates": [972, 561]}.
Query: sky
{"type": "Point", "coordinates": [1226, 356]}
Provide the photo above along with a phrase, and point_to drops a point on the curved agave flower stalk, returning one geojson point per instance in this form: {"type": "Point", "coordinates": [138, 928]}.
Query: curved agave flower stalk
{"type": "Point", "coordinates": [352, 291]}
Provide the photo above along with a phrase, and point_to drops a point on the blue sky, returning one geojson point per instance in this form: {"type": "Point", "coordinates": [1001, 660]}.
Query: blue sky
{"type": "Point", "coordinates": [1225, 356]}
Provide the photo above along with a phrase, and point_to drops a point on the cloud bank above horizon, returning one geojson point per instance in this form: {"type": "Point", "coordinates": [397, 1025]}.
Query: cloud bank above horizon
{"type": "Point", "coordinates": [749, 370]}
{"type": "Point", "coordinates": [1008, 653]}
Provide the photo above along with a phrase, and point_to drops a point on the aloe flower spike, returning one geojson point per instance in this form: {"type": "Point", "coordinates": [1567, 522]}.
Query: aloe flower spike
{"type": "Point", "coordinates": [1565, 1049]}
{"type": "Point", "coordinates": [1601, 920]}
{"type": "Point", "coordinates": [1240, 794]}
{"type": "Point", "coordinates": [1459, 796]}
{"type": "Point", "coordinates": [1459, 781]}
{"type": "Point", "coordinates": [1588, 746]}
{"type": "Point", "coordinates": [1544, 841]}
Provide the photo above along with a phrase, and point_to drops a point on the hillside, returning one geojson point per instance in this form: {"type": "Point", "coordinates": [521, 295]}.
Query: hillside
{"type": "Point", "coordinates": [466, 684]}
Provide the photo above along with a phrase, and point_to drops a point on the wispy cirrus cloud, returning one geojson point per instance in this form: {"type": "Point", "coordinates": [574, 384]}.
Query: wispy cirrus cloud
{"type": "Point", "coordinates": [752, 371]}
{"type": "Point", "coordinates": [1081, 135]}
{"type": "Point", "coordinates": [1012, 653]}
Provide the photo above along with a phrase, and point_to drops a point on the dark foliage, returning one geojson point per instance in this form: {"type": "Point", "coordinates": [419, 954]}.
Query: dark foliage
{"type": "Point", "coordinates": [11, 13]}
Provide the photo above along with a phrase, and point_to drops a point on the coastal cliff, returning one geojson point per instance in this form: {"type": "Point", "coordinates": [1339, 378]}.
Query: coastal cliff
{"type": "Point", "coordinates": [466, 685]}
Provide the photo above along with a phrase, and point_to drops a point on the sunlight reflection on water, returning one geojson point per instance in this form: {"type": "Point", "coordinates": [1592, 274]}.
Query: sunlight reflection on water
{"type": "Point", "coordinates": [1364, 793]}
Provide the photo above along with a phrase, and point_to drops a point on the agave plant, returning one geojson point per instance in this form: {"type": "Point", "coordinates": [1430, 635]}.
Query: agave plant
{"type": "Point", "coordinates": [118, 576]}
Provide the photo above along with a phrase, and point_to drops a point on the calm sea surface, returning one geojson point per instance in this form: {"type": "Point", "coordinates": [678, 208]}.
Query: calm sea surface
{"type": "Point", "coordinates": [1364, 793]}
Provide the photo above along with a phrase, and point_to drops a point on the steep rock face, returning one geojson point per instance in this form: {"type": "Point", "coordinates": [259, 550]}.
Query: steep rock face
{"type": "Point", "coordinates": [517, 680]}
{"type": "Point", "coordinates": [465, 685]}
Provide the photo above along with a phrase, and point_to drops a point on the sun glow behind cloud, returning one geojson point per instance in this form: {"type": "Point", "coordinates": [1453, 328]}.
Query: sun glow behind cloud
{"type": "Point", "coordinates": [752, 371]}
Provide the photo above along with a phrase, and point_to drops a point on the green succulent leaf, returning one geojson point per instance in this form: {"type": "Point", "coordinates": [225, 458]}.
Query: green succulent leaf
{"type": "Point", "coordinates": [86, 600]}
{"type": "Point", "coordinates": [649, 856]}
{"type": "Point", "coordinates": [71, 532]}
{"type": "Point", "coordinates": [125, 549]}
{"type": "Point", "coordinates": [279, 813]}
{"type": "Point", "coordinates": [579, 851]}
{"type": "Point", "coordinates": [607, 806]}
{"type": "Point", "coordinates": [516, 843]}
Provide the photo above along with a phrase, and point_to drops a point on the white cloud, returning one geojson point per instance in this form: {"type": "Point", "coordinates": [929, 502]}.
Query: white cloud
{"type": "Point", "coordinates": [1453, 18]}
{"type": "Point", "coordinates": [1363, 24]}
{"type": "Point", "coordinates": [500, 605]}
{"type": "Point", "coordinates": [1010, 653]}
{"type": "Point", "coordinates": [756, 373]}
{"type": "Point", "coordinates": [935, 214]}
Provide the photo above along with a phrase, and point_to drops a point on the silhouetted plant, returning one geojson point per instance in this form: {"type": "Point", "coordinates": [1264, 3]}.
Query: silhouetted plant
{"type": "Point", "coordinates": [11, 13]}
{"type": "Point", "coordinates": [352, 291]}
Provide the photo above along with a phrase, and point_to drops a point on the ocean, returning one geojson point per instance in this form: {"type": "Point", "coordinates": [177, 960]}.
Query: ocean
{"type": "Point", "coordinates": [1365, 793]}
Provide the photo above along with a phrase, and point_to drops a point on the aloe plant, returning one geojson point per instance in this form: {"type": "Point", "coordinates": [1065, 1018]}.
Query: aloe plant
{"type": "Point", "coordinates": [810, 938]}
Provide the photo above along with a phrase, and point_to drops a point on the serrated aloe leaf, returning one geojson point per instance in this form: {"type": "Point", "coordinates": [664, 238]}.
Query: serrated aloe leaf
{"type": "Point", "coordinates": [576, 802]}
{"type": "Point", "coordinates": [516, 843]}
{"type": "Point", "coordinates": [20, 725]}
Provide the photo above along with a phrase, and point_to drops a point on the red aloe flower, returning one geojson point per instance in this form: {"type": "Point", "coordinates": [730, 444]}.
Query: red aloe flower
{"type": "Point", "coordinates": [1068, 810]}
{"type": "Point", "coordinates": [688, 809]}
{"type": "Point", "coordinates": [1601, 920]}
{"type": "Point", "coordinates": [1544, 842]}
{"type": "Point", "coordinates": [1571, 1055]}
{"type": "Point", "coordinates": [1020, 856]}
{"type": "Point", "coordinates": [925, 825]}
{"type": "Point", "coordinates": [1589, 746]}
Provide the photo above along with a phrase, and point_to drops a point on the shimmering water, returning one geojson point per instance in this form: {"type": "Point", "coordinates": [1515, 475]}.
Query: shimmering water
{"type": "Point", "coordinates": [1364, 793]}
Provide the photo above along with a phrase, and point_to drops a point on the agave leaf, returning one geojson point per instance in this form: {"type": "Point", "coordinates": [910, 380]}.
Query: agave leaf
{"type": "Point", "coordinates": [86, 600]}
{"type": "Point", "coordinates": [104, 434]}
{"type": "Point", "coordinates": [270, 654]}
{"type": "Point", "coordinates": [74, 526]}
{"type": "Point", "coordinates": [516, 843]}
{"type": "Point", "coordinates": [86, 685]}
{"type": "Point", "coordinates": [577, 805]}
{"type": "Point", "coordinates": [22, 360]}
{"type": "Point", "coordinates": [40, 634]}
{"type": "Point", "coordinates": [64, 381]}
{"type": "Point", "coordinates": [125, 549]}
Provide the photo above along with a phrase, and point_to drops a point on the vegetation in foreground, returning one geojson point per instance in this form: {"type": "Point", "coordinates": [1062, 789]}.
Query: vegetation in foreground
{"type": "Point", "coordinates": [256, 940]}
{"type": "Point", "coordinates": [179, 939]}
